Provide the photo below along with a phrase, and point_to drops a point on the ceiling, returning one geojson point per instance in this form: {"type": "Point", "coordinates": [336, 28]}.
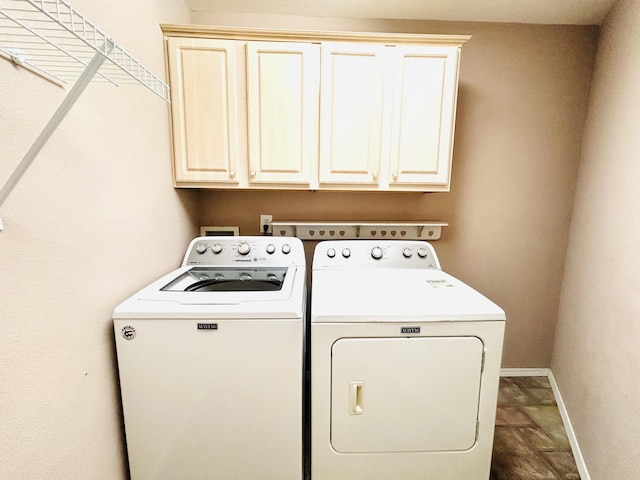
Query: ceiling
{"type": "Point", "coordinates": [573, 12]}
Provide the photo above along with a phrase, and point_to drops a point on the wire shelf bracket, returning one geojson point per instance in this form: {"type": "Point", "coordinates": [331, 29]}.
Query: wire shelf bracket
{"type": "Point", "coordinates": [54, 40]}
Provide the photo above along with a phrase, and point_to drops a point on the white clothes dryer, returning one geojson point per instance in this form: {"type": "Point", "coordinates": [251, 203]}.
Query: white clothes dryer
{"type": "Point", "coordinates": [405, 363]}
{"type": "Point", "coordinates": [210, 359]}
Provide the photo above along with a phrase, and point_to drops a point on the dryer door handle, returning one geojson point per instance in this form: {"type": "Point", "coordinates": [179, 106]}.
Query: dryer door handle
{"type": "Point", "coordinates": [355, 398]}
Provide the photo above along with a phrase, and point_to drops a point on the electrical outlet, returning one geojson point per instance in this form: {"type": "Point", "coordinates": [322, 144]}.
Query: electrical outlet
{"type": "Point", "coordinates": [265, 224]}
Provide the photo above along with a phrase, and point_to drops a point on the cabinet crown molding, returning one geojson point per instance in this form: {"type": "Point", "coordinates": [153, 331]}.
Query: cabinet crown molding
{"type": "Point", "coordinates": [273, 35]}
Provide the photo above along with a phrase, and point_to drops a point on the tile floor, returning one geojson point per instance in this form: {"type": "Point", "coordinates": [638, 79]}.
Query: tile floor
{"type": "Point", "coordinates": [530, 440]}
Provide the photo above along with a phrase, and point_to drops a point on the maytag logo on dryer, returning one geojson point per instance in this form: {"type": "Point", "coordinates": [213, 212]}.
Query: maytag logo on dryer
{"type": "Point", "coordinates": [409, 329]}
{"type": "Point", "coordinates": [207, 326]}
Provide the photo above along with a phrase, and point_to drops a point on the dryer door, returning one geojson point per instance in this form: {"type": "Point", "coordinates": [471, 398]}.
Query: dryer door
{"type": "Point", "coordinates": [417, 394]}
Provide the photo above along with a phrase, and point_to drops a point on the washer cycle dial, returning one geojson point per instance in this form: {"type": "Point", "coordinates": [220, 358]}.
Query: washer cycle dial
{"type": "Point", "coordinates": [376, 252]}
{"type": "Point", "coordinates": [244, 248]}
{"type": "Point", "coordinates": [201, 248]}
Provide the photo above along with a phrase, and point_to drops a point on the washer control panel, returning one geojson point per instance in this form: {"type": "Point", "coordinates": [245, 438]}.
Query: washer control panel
{"type": "Point", "coordinates": [237, 250]}
{"type": "Point", "coordinates": [374, 254]}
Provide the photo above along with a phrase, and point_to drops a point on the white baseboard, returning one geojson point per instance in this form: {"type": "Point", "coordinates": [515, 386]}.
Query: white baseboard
{"type": "Point", "coordinates": [573, 441]}
{"type": "Point", "coordinates": [524, 372]}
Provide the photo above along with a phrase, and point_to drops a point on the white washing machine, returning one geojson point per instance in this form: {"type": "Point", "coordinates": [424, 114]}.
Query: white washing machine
{"type": "Point", "coordinates": [405, 364]}
{"type": "Point", "coordinates": [211, 369]}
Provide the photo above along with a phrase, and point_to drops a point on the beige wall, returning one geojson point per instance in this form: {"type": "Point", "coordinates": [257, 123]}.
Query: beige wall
{"type": "Point", "coordinates": [523, 98]}
{"type": "Point", "coordinates": [597, 347]}
{"type": "Point", "coordinates": [94, 219]}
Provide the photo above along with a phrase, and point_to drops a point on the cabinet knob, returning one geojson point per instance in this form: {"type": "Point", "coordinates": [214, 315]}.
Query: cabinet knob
{"type": "Point", "coordinates": [375, 175]}
{"type": "Point", "coordinates": [232, 173]}
{"type": "Point", "coordinates": [395, 175]}
{"type": "Point", "coordinates": [252, 173]}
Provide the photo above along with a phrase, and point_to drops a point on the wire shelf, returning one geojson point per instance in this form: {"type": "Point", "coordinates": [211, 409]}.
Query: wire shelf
{"type": "Point", "coordinates": [53, 39]}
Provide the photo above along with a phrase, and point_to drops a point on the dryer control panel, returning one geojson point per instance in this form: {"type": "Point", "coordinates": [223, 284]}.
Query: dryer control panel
{"type": "Point", "coordinates": [398, 254]}
{"type": "Point", "coordinates": [242, 250]}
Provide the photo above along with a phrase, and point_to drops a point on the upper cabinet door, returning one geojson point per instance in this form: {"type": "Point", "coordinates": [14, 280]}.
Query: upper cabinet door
{"type": "Point", "coordinates": [424, 102]}
{"type": "Point", "coordinates": [204, 109]}
{"type": "Point", "coordinates": [283, 111]}
{"type": "Point", "coordinates": [351, 104]}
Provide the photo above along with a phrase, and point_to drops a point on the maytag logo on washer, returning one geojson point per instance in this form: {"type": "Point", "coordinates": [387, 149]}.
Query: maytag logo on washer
{"type": "Point", "coordinates": [409, 329]}
{"type": "Point", "coordinates": [128, 332]}
{"type": "Point", "coordinates": [207, 326]}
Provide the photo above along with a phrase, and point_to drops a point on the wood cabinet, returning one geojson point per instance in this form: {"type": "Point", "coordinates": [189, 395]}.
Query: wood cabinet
{"type": "Point", "coordinates": [301, 110]}
{"type": "Point", "coordinates": [387, 115]}
{"type": "Point", "coordinates": [352, 98]}
{"type": "Point", "coordinates": [425, 85]}
{"type": "Point", "coordinates": [204, 110]}
{"type": "Point", "coordinates": [282, 101]}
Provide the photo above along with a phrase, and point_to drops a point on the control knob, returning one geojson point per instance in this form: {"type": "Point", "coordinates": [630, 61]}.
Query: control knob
{"type": "Point", "coordinates": [271, 248]}
{"type": "Point", "coordinates": [422, 252]}
{"type": "Point", "coordinates": [346, 253]}
{"type": "Point", "coordinates": [331, 252]}
{"type": "Point", "coordinates": [407, 253]}
{"type": "Point", "coordinates": [286, 249]}
{"type": "Point", "coordinates": [244, 248]}
{"type": "Point", "coordinates": [201, 248]}
{"type": "Point", "coordinates": [216, 248]}
{"type": "Point", "coordinates": [376, 253]}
